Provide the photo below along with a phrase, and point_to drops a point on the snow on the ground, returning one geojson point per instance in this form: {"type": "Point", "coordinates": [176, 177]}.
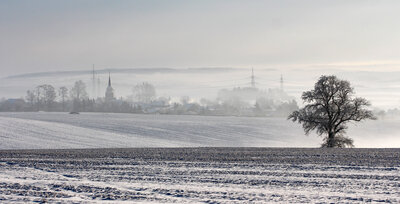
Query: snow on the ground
{"type": "Point", "coordinates": [42, 130]}
{"type": "Point", "coordinates": [206, 175]}
{"type": "Point", "coordinates": [91, 130]}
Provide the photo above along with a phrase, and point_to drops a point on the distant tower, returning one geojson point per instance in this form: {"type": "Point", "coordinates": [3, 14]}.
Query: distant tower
{"type": "Point", "coordinates": [94, 83]}
{"type": "Point", "coordinates": [98, 86]}
{"type": "Point", "coordinates": [281, 82]}
{"type": "Point", "coordinates": [110, 90]}
{"type": "Point", "coordinates": [253, 82]}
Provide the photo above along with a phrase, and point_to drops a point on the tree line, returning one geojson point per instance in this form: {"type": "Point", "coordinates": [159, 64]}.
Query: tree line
{"type": "Point", "coordinates": [144, 100]}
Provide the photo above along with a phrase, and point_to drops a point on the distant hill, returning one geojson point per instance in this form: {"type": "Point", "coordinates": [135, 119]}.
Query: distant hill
{"type": "Point", "coordinates": [123, 70]}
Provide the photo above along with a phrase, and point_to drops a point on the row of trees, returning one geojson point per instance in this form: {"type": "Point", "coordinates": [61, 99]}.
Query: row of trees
{"type": "Point", "coordinates": [238, 102]}
{"type": "Point", "coordinates": [43, 97]}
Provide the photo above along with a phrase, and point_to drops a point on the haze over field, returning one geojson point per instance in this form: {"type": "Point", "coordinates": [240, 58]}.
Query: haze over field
{"type": "Point", "coordinates": [190, 51]}
{"type": "Point", "coordinates": [382, 88]}
{"type": "Point", "coordinates": [300, 40]}
{"type": "Point", "coordinates": [213, 101]}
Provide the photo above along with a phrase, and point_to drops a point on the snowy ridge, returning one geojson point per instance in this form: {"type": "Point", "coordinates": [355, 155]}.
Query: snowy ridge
{"type": "Point", "coordinates": [98, 130]}
{"type": "Point", "coordinates": [32, 134]}
{"type": "Point", "coordinates": [108, 130]}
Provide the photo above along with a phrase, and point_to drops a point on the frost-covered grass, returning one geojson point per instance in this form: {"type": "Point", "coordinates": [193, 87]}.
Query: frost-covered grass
{"type": "Point", "coordinates": [208, 175]}
{"type": "Point", "coordinates": [102, 130]}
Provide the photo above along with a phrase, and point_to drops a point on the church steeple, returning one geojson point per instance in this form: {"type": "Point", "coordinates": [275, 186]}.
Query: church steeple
{"type": "Point", "coordinates": [109, 79]}
{"type": "Point", "coordinates": [109, 90]}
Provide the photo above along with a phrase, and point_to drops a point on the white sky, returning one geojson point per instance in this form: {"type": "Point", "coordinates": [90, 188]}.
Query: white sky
{"type": "Point", "coordinates": [72, 35]}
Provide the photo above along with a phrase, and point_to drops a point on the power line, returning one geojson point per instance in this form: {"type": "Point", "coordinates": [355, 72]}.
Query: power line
{"type": "Point", "coordinates": [253, 82]}
{"type": "Point", "coordinates": [238, 79]}
{"type": "Point", "coordinates": [94, 83]}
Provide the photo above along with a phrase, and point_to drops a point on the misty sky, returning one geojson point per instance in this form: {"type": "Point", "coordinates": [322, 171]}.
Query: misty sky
{"type": "Point", "coordinates": [47, 35]}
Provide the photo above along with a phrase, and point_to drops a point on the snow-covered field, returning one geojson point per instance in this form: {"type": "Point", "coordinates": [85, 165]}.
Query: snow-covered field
{"type": "Point", "coordinates": [101, 130]}
{"type": "Point", "coordinates": [207, 175]}
{"type": "Point", "coordinates": [97, 130]}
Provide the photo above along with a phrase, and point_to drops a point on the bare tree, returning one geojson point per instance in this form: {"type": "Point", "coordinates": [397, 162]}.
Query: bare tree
{"type": "Point", "coordinates": [185, 100]}
{"type": "Point", "coordinates": [45, 94]}
{"type": "Point", "coordinates": [39, 96]}
{"type": "Point", "coordinates": [49, 95]}
{"type": "Point", "coordinates": [78, 94]}
{"type": "Point", "coordinates": [63, 93]}
{"type": "Point", "coordinates": [78, 91]}
{"type": "Point", "coordinates": [330, 107]}
{"type": "Point", "coordinates": [144, 92]}
{"type": "Point", "coordinates": [30, 98]}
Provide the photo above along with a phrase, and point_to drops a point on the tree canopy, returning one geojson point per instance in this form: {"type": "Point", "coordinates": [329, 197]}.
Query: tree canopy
{"type": "Point", "coordinates": [78, 91]}
{"type": "Point", "coordinates": [330, 106]}
{"type": "Point", "coordinates": [144, 92]}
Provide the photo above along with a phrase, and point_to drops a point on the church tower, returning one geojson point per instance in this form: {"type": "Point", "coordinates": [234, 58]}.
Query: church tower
{"type": "Point", "coordinates": [109, 91]}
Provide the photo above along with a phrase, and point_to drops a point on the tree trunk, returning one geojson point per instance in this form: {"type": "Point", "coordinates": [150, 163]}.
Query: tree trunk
{"type": "Point", "coordinates": [331, 140]}
{"type": "Point", "coordinates": [63, 104]}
